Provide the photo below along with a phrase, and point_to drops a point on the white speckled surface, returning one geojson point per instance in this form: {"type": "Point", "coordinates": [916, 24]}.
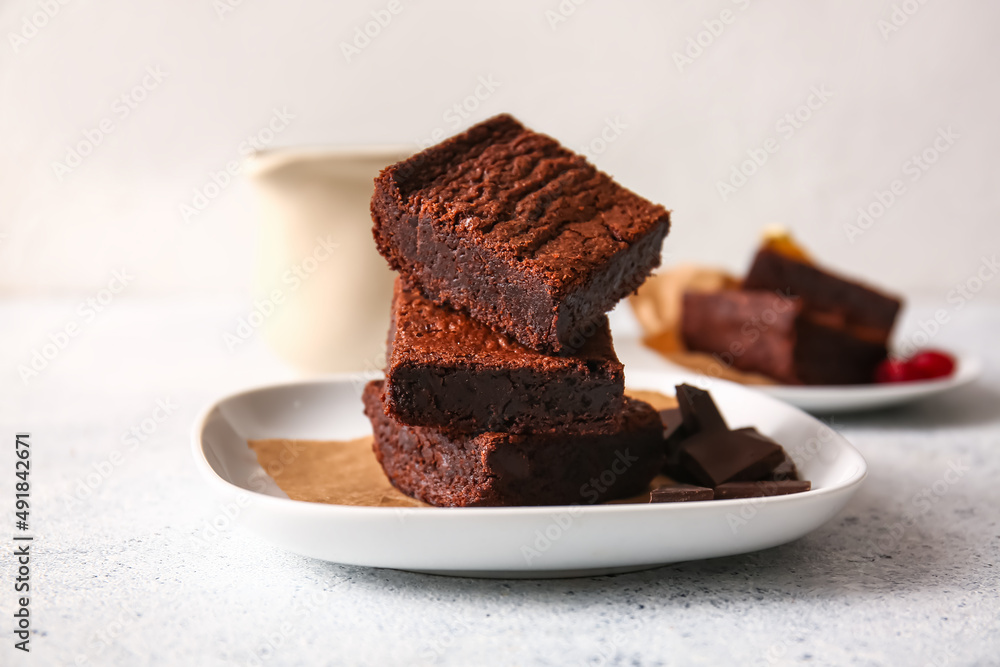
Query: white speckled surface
{"type": "Point", "coordinates": [128, 576]}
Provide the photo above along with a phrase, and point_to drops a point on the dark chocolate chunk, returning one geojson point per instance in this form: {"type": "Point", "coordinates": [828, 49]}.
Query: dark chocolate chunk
{"type": "Point", "coordinates": [680, 493]}
{"type": "Point", "coordinates": [674, 433]}
{"type": "Point", "coordinates": [672, 421]}
{"type": "Point", "coordinates": [703, 450]}
{"type": "Point", "coordinates": [699, 410]}
{"type": "Point", "coordinates": [717, 457]}
{"type": "Point", "coordinates": [760, 489]}
{"type": "Point", "coordinates": [786, 470]}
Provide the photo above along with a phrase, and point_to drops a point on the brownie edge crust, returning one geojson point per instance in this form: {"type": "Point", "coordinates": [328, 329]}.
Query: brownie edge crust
{"type": "Point", "coordinates": [500, 469]}
{"type": "Point", "coordinates": [516, 230]}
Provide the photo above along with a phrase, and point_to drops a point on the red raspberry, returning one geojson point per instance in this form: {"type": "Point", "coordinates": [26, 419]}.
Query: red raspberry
{"type": "Point", "coordinates": [894, 370]}
{"type": "Point", "coordinates": [932, 364]}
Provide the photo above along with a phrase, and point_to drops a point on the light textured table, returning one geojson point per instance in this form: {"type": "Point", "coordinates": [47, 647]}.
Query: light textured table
{"type": "Point", "coordinates": [124, 576]}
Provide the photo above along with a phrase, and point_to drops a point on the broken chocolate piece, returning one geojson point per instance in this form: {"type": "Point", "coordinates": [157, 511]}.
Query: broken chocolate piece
{"type": "Point", "coordinates": [672, 421]}
{"type": "Point", "coordinates": [680, 493]}
{"type": "Point", "coordinates": [674, 433]}
{"type": "Point", "coordinates": [717, 457]}
{"type": "Point", "coordinates": [702, 450]}
{"type": "Point", "coordinates": [760, 489]}
{"type": "Point", "coordinates": [699, 410]}
{"type": "Point", "coordinates": [786, 470]}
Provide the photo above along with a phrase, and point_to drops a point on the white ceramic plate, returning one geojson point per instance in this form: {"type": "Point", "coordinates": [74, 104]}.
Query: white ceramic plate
{"type": "Point", "coordinates": [523, 541]}
{"type": "Point", "coordinates": [823, 400]}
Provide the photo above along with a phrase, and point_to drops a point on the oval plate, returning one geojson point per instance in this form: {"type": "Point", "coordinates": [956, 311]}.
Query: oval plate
{"type": "Point", "coordinates": [519, 541]}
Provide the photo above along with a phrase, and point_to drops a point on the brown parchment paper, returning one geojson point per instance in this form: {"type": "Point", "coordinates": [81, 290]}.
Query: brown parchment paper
{"type": "Point", "coordinates": [340, 472]}
{"type": "Point", "coordinates": [330, 471]}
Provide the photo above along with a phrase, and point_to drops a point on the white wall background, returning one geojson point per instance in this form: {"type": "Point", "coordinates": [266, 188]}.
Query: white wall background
{"type": "Point", "coordinates": [227, 70]}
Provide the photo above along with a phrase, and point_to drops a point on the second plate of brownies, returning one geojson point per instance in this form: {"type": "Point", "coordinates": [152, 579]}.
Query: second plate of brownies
{"type": "Point", "coordinates": [559, 541]}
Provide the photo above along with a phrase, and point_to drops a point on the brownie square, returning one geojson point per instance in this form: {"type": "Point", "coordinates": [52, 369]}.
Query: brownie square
{"type": "Point", "coordinates": [828, 299]}
{"type": "Point", "coordinates": [567, 467]}
{"type": "Point", "coordinates": [517, 231]}
{"type": "Point", "coordinates": [764, 332]}
{"type": "Point", "coordinates": [448, 371]}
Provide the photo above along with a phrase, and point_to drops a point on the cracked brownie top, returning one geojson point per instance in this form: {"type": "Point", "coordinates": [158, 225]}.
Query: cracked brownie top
{"type": "Point", "coordinates": [523, 196]}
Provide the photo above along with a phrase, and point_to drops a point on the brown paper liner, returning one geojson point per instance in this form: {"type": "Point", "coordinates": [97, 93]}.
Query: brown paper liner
{"type": "Point", "coordinates": [330, 471]}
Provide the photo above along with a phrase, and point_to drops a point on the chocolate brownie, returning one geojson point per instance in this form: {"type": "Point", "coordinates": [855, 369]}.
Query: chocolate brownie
{"type": "Point", "coordinates": [448, 371]}
{"type": "Point", "coordinates": [566, 467]}
{"type": "Point", "coordinates": [828, 299]}
{"type": "Point", "coordinates": [519, 232]}
{"type": "Point", "coordinates": [767, 333]}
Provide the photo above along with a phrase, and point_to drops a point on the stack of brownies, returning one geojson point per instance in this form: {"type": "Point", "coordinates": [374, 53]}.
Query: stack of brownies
{"type": "Point", "coordinates": [502, 385]}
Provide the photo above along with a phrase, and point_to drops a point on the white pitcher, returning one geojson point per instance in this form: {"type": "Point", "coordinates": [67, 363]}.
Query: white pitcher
{"type": "Point", "coordinates": [322, 292]}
